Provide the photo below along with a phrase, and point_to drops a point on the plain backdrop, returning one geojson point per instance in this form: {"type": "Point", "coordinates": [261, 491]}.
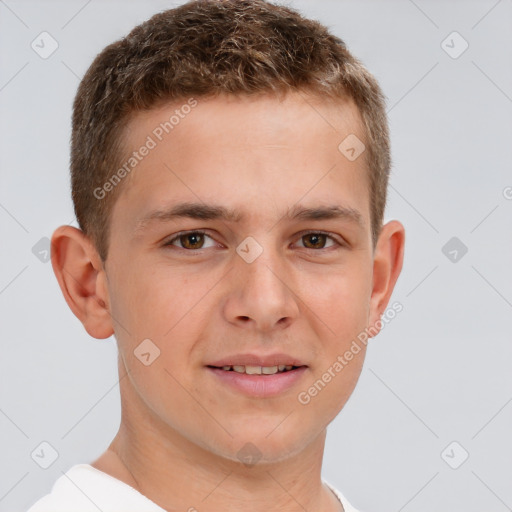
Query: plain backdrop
{"type": "Point", "coordinates": [428, 426]}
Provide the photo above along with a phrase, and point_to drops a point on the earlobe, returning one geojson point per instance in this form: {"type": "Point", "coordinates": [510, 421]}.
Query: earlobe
{"type": "Point", "coordinates": [79, 271]}
{"type": "Point", "coordinates": [387, 265]}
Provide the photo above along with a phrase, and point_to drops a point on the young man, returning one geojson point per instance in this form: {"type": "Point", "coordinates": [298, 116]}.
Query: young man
{"type": "Point", "coordinates": [229, 171]}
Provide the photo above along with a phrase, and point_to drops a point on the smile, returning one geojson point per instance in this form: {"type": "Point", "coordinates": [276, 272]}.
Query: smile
{"type": "Point", "coordinates": [258, 370]}
{"type": "Point", "coordinates": [258, 381]}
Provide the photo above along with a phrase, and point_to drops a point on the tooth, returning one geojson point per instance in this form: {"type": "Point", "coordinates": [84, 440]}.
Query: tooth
{"type": "Point", "coordinates": [281, 367]}
{"type": "Point", "coordinates": [239, 369]}
{"type": "Point", "coordinates": [288, 367]}
{"type": "Point", "coordinates": [226, 367]}
{"type": "Point", "coordinates": [269, 370]}
{"type": "Point", "coordinates": [253, 370]}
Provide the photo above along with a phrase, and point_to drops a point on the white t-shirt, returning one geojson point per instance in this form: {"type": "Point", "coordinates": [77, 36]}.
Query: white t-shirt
{"type": "Point", "coordinates": [83, 488]}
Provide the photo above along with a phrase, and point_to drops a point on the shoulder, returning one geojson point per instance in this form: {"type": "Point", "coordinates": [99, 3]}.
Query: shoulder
{"type": "Point", "coordinates": [83, 488]}
{"type": "Point", "coordinates": [63, 493]}
{"type": "Point", "coordinates": [346, 505]}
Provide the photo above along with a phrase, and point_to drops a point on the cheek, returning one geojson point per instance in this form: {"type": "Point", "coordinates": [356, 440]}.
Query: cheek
{"type": "Point", "coordinates": [339, 299]}
{"type": "Point", "coordinates": [172, 311]}
{"type": "Point", "coordinates": [340, 303]}
{"type": "Point", "coordinates": [154, 304]}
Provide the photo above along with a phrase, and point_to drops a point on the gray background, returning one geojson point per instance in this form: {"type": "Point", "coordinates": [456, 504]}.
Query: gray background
{"type": "Point", "coordinates": [438, 373]}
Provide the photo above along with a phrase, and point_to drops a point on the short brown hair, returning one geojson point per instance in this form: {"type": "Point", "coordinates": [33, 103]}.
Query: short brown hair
{"type": "Point", "coordinates": [204, 48]}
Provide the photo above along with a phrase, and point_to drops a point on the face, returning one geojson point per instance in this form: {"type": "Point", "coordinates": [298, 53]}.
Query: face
{"type": "Point", "coordinates": [288, 271]}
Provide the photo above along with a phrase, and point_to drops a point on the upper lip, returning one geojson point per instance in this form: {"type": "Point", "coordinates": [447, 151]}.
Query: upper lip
{"type": "Point", "coordinates": [257, 360]}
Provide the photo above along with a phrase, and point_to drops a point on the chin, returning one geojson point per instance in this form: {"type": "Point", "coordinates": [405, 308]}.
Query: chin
{"type": "Point", "coordinates": [263, 443]}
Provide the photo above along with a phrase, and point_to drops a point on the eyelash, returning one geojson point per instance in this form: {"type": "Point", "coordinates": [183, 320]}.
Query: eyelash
{"type": "Point", "coordinates": [169, 243]}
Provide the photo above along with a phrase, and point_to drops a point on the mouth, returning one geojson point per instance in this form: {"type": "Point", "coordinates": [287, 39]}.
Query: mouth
{"type": "Point", "coordinates": [257, 370]}
{"type": "Point", "coordinates": [258, 381]}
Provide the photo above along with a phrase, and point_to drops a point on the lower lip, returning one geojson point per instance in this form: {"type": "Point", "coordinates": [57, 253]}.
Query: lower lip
{"type": "Point", "coordinates": [260, 385]}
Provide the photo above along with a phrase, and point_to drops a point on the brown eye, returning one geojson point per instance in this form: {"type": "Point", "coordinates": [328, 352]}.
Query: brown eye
{"type": "Point", "coordinates": [317, 240]}
{"type": "Point", "coordinates": [193, 240]}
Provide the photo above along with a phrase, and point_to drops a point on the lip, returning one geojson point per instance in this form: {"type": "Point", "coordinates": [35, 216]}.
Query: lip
{"type": "Point", "coordinates": [251, 359]}
{"type": "Point", "coordinates": [260, 386]}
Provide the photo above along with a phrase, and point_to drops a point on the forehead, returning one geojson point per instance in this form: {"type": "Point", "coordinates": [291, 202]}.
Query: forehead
{"type": "Point", "coordinates": [262, 155]}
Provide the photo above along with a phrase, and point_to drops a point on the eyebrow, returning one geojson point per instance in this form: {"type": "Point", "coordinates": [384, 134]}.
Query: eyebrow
{"type": "Point", "coordinates": [202, 211]}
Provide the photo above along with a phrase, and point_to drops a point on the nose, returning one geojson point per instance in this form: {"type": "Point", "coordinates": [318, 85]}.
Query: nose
{"type": "Point", "coordinates": [262, 293]}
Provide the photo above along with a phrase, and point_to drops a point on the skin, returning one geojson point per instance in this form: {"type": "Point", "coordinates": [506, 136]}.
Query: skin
{"type": "Point", "coordinates": [181, 429]}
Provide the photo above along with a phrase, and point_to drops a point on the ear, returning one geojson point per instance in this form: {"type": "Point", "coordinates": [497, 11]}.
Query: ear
{"type": "Point", "coordinates": [387, 264]}
{"type": "Point", "coordinates": [82, 279]}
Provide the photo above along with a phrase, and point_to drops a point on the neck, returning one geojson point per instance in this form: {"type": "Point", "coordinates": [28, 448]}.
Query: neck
{"type": "Point", "coordinates": [177, 474]}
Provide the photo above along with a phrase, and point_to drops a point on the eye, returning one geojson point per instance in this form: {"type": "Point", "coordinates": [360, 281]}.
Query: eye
{"type": "Point", "coordinates": [195, 240]}
{"type": "Point", "coordinates": [317, 239]}
{"type": "Point", "coordinates": [192, 240]}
